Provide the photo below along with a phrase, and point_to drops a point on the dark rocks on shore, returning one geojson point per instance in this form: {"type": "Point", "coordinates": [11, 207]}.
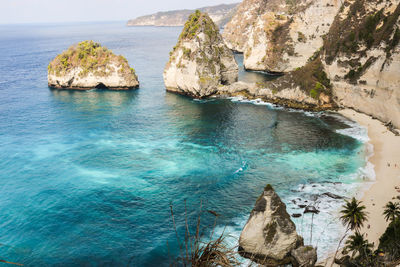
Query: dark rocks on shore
{"type": "Point", "coordinates": [305, 256]}
{"type": "Point", "coordinates": [311, 209]}
{"type": "Point", "coordinates": [331, 195]}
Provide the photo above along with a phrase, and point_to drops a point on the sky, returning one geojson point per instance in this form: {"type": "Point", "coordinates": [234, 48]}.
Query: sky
{"type": "Point", "coordinates": [54, 11]}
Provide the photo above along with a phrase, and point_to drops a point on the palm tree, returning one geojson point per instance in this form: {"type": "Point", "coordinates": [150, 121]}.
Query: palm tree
{"type": "Point", "coordinates": [357, 243]}
{"type": "Point", "coordinates": [353, 217]}
{"type": "Point", "coordinates": [392, 211]}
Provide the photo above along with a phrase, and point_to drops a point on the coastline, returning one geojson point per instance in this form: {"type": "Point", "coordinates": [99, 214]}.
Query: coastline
{"type": "Point", "coordinates": [386, 161]}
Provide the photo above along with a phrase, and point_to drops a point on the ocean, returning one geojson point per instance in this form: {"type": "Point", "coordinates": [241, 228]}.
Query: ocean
{"type": "Point", "coordinates": [88, 178]}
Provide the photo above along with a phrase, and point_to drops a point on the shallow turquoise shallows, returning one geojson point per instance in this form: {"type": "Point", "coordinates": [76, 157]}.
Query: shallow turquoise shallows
{"type": "Point", "coordinates": [87, 178]}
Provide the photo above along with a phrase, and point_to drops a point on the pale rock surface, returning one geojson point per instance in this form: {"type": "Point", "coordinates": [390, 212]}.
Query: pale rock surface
{"type": "Point", "coordinates": [375, 87]}
{"type": "Point", "coordinates": [269, 235]}
{"type": "Point", "coordinates": [72, 80]}
{"type": "Point", "coordinates": [237, 30]}
{"type": "Point", "coordinates": [200, 62]}
{"type": "Point", "coordinates": [286, 35]}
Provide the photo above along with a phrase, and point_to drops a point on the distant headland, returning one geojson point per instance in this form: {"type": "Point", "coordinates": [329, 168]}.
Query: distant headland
{"type": "Point", "coordinates": [220, 14]}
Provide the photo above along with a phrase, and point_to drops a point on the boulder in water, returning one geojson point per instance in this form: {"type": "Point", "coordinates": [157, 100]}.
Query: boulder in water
{"type": "Point", "coordinates": [311, 209]}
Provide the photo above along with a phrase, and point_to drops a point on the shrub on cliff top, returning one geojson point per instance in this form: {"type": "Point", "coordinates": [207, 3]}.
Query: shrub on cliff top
{"type": "Point", "coordinates": [197, 21]}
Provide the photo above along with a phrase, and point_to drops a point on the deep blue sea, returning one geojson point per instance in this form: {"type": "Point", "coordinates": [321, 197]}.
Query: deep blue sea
{"type": "Point", "coordinates": [87, 178]}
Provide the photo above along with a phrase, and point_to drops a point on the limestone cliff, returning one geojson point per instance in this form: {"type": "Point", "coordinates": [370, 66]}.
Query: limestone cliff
{"type": "Point", "coordinates": [200, 62]}
{"type": "Point", "coordinates": [269, 235]}
{"type": "Point", "coordinates": [354, 43]}
{"type": "Point", "coordinates": [237, 30]}
{"type": "Point", "coordinates": [362, 57]}
{"type": "Point", "coordinates": [87, 65]}
{"type": "Point", "coordinates": [220, 14]}
{"type": "Point", "coordinates": [287, 34]}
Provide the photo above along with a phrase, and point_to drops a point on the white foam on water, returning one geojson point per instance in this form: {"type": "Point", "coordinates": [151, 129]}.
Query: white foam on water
{"type": "Point", "coordinates": [355, 130]}
{"type": "Point", "coordinates": [95, 175]}
{"type": "Point", "coordinates": [242, 168]}
{"type": "Point", "coordinates": [203, 100]}
{"type": "Point", "coordinates": [326, 227]}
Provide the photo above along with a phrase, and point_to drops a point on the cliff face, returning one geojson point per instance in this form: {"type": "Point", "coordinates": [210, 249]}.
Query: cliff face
{"type": "Point", "coordinates": [220, 14]}
{"type": "Point", "coordinates": [287, 34]}
{"type": "Point", "coordinates": [237, 30]}
{"type": "Point", "coordinates": [200, 62]}
{"type": "Point", "coordinates": [362, 57]}
{"type": "Point", "coordinates": [354, 43]}
{"type": "Point", "coordinates": [87, 65]}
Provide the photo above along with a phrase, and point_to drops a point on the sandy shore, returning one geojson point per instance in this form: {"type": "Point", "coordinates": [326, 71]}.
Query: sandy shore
{"type": "Point", "coordinates": [386, 160]}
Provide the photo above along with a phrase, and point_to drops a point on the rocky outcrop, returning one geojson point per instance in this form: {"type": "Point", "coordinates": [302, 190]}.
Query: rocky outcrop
{"type": "Point", "coordinates": [88, 65]}
{"type": "Point", "coordinates": [304, 256]}
{"type": "Point", "coordinates": [287, 34]}
{"type": "Point", "coordinates": [200, 63]}
{"type": "Point", "coordinates": [305, 88]}
{"type": "Point", "coordinates": [220, 14]}
{"type": "Point", "coordinates": [362, 57]}
{"type": "Point", "coordinates": [269, 235]}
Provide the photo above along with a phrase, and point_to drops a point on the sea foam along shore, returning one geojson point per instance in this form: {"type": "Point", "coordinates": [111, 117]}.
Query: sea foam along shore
{"type": "Point", "coordinates": [386, 159]}
{"type": "Point", "coordinates": [327, 228]}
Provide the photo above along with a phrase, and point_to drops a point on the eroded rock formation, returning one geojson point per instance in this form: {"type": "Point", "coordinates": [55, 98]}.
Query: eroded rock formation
{"type": "Point", "coordinates": [200, 62]}
{"type": "Point", "coordinates": [88, 65]}
{"type": "Point", "coordinates": [269, 235]}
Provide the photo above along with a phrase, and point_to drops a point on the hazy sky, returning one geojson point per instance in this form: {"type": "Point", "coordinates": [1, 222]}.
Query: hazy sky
{"type": "Point", "coordinates": [27, 11]}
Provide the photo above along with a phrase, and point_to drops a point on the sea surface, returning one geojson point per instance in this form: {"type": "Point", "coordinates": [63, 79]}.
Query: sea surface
{"type": "Point", "coordinates": [89, 178]}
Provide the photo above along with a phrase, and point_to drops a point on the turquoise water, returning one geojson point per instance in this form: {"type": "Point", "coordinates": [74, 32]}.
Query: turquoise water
{"type": "Point", "coordinates": [87, 178]}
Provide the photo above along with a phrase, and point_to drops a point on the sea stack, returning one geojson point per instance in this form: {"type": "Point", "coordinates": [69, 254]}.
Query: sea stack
{"type": "Point", "coordinates": [200, 62]}
{"type": "Point", "coordinates": [88, 65]}
{"type": "Point", "coordinates": [269, 235]}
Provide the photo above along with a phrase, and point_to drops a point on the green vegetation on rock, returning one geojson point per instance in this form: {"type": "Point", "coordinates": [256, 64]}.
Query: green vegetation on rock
{"type": "Point", "coordinates": [312, 78]}
{"type": "Point", "coordinates": [191, 26]}
{"type": "Point", "coordinates": [199, 22]}
{"type": "Point", "coordinates": [90, 57]}
{"type": "Point", "coordinates": [360, 31]}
